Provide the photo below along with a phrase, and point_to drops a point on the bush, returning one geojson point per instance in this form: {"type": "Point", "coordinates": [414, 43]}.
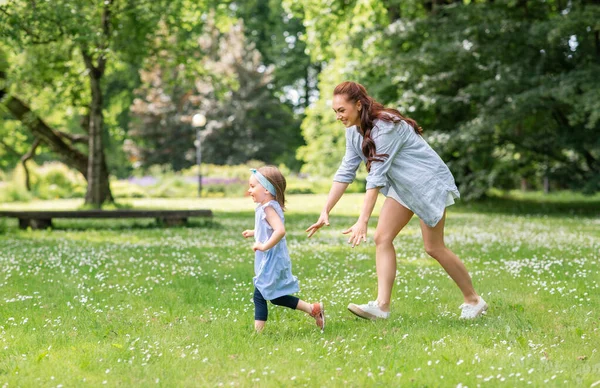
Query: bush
{"type": "Point", "coordinates": [11, 192]}
{"type": "Point", "coordinates": [125, 189]}
{"type": "Point", "coordinates": [56, 180]}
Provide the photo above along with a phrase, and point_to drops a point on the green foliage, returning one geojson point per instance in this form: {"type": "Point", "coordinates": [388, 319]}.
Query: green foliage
{"type": "Point", "coordinates": [507, 91]}
{"type": "Point", "coordinates": [56, 180]}
{"type": "Point", "coordinates": [527, 108]}
{"type": "Point", "coordinates": [61, 48]}
{"type": "Point", "coordinates": [245, 120]}
{"type": "Point", "coordinates": [12, 192]}
{"type": "Point", "coordinates": [513, 85]}
{"type": "Point", "coordinates": [278, 36]}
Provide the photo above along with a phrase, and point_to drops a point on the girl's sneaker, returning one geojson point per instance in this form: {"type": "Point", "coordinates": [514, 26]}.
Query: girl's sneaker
{"type": "Point", "coordinates": [318, 313]}
{"type": "Point", "coordinates": [470, 311]}
{"type": "Point", "coordinates": [370, 310]}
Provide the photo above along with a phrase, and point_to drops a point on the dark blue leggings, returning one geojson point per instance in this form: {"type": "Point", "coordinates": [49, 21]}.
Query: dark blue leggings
{"type": "Point", "coordinates": [261, 311]}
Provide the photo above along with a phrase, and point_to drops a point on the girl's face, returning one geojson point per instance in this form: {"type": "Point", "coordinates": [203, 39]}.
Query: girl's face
{"type": "Point", "coordinates": [346, 111]}
{"type": "Point", "coordinates": [257, 192]}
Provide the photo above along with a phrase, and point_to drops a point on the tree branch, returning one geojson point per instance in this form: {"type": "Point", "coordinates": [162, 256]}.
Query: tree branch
{"type": "Point", "coordinates": [69, 154]}
{"type": "Point", "coordinates": [9, 148]}
{"type": "Point", "coordinates": [87, 59]}
{"type": "Point", "coordinates": [25, 158]}
{"type": "Point", "coordinates": [72, 137]}
{"type": "Point", "coordinates": [597, 39]}
{"type": "Point", "coordinates": [590, 160]}
{"type": "Point", "coordinates": [553, 156]}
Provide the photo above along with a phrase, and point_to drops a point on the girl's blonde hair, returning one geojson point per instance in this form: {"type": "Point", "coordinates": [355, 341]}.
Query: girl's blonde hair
{"type": "Point", "coordinates": [275, 176]}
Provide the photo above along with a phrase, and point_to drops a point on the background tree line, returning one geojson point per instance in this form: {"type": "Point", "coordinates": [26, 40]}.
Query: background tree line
{"type": "Point", "coordinates": [507, 91]}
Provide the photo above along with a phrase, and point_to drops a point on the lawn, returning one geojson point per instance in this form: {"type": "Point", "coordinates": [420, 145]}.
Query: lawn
{"type": "Point", "coordinates": [127, 303]}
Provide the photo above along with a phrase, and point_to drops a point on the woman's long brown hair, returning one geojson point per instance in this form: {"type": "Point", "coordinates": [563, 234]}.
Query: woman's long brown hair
{"type": "Point", "coordinates": [370, 111]}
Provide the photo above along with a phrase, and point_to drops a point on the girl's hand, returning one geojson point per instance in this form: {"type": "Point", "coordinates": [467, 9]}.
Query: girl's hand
{"type": "Point", "coordinates": [323, 220]}
{"type": "Point", "coordinates": [248, 233]}
{"type": "Point", "coordinates": [258, 247]}
{"type": "Point", "coordinates": [357, 232]}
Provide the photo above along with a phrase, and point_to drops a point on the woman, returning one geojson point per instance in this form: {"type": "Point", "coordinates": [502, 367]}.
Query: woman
{"type": "Point", "coordinates": [414, 179]}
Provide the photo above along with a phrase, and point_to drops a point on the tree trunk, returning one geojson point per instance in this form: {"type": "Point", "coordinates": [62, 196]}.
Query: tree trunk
{"type": "Point", "coordinates": [98, 190]}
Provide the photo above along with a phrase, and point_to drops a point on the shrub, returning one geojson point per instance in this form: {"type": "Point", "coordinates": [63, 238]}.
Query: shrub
{"type": "Point", "coordinates": [56, 180]}
{"type": "Point", "coordinates": [125, 189]}
{"type": "Point", "coordinates": [11, 192]}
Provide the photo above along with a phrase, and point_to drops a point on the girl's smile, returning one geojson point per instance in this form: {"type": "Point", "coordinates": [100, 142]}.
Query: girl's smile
{"type": "Point", "coordinates": [257, 192]}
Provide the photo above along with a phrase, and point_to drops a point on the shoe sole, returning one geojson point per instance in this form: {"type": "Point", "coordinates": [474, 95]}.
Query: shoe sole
{"type": "Point", "coordinates": [323, 315]}
{"type": "Point", "coordinates": [360, 313]}
{"type": "Point", "coordinates": [482, 311]}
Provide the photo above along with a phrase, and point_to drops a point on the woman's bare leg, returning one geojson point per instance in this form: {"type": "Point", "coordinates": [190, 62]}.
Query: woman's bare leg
{"type": "Point", "coordinates": [392, 218]}
{"type": "Point", "coordinates": [433, 239]}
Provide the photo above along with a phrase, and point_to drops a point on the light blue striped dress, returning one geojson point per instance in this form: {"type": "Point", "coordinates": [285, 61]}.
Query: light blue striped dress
{"type": "Point", "coordinates": [413, 173]}
{"type": "Point", "coordinates": [273, 268]}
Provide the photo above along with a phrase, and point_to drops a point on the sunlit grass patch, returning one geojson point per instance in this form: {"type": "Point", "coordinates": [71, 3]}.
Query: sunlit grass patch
{"type": "Point", "coordinates": [131, 303]}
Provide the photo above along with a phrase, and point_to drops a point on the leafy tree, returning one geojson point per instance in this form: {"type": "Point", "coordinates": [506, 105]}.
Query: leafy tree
{"type": "Point", "coordinates": [505, 89]}
{"type": "Point", "coordinates": [231, 87]}
{"type": "Point", "coordinates": [278, 36]}
{"type": "Point", "coordinates": [521, 84]}
{"type": "Point", "coordinates": [334, 32]}
{"type": "Point", "coordinates": [69, 47]}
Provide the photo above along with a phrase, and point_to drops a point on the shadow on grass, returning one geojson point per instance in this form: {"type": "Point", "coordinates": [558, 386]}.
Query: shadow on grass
{"type": "Point", "coordinates": [142, 224]}
{"type": "Point", "coordinates": [533, 206]}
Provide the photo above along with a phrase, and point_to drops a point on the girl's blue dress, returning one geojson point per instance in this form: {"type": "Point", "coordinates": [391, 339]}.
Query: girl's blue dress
{"type": "Point", "coordinates": [273, 268]}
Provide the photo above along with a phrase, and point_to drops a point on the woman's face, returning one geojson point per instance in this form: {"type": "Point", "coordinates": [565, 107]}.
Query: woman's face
{"type": "Point", "coordinates": [346, 111]}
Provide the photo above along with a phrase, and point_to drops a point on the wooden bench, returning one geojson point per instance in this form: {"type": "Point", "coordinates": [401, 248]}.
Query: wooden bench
{"type": "Point", "coordinates": [43, 219]}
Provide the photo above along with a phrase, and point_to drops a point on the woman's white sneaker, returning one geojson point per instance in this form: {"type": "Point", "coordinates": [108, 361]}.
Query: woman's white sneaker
{"type": "Point", "coordinates": [470, 311]}
{"type": "Point", "coordinates": [370, 310]}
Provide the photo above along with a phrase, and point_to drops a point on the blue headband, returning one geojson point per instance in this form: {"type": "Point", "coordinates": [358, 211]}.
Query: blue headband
{"type": "Point", "coordinates": [264, 182]}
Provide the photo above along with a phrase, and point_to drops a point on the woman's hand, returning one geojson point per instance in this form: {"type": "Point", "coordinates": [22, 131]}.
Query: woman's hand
{"type": "Point", "coordinates": [258, 247]}
{"type": "Point", "coordinates": [323, 220]}
{"type": "Point", "coordinates": [357, 233]}
{"type": "Point", "coordinates": [248, 233]}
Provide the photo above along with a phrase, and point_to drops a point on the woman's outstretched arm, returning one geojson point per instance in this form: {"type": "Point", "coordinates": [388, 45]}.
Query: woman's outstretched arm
{"type": "Point", "coordinates": [358, 231]}
{"type": "Point", "coordinates": [335, 193]}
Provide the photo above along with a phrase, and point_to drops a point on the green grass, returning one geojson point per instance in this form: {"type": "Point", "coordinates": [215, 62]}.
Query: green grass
{"type": "Point", "coordinates": [129, 303]}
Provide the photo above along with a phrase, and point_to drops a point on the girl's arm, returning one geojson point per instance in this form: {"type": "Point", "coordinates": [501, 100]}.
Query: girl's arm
{"type": "Point", "coordinates": [358, 231]}
{"type": "Point", "coordinates": [248, 233]}
{"type": "Point", "coordinates": [335, 193]}
{"type": "Point", "coordinates": [278, 230]}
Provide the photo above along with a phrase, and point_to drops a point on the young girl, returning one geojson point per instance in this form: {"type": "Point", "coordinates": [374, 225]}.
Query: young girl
{"type": "Point", "coordinates": [272, 266]}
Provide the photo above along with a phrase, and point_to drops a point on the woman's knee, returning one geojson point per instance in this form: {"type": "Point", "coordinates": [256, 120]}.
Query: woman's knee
{"type": "Point", "coordinates": [435, 250]}
{"type": "Point", "coordinates": [383, 238]}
